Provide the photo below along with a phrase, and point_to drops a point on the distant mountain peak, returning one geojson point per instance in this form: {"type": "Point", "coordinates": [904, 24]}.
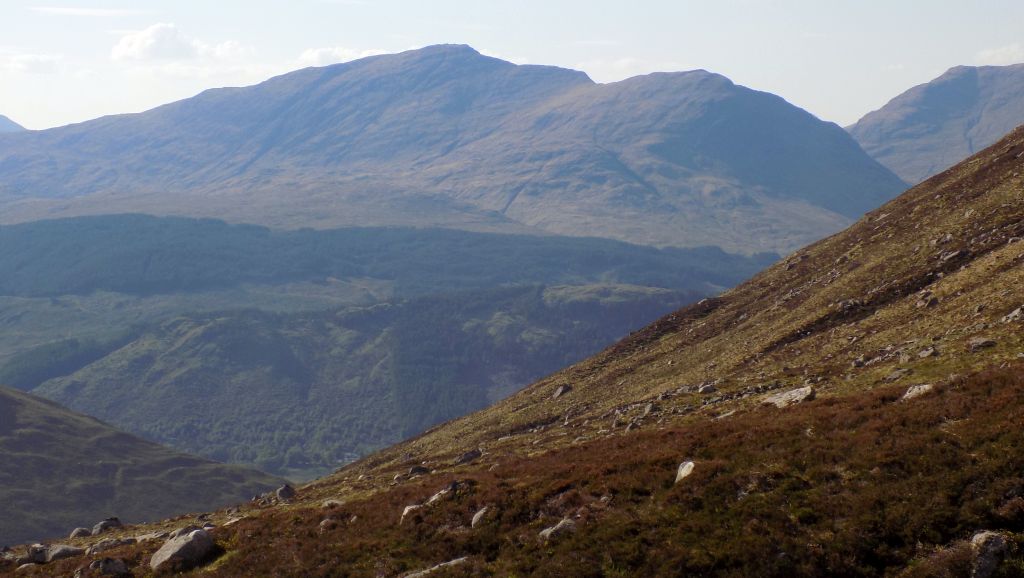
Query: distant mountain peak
{"type": "Point", "coordinates": [8, 125]}
{"type": "Point", "coordinates": [934, 125]}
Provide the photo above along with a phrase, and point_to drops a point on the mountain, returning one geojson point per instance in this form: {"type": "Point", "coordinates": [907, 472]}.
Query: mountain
{"type": "Point", "coordinates": [8, 125]}
{"type": "Point", "coordinates": [340, 384]}
{"type": "Point", "coordinates": [935, 125]}
{"type": "Point", "coordinates": [894, 451]}
{"type": "Point", "coordinates": [444, 136]}
{"type": "Point", "coordinates": [61, 470]}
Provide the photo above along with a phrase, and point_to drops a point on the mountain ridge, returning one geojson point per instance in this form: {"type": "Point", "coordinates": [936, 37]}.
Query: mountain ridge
{"type": "Point", "coordinates": [7, 125]}
{"type": "Point", "coordinates": [934, 125]}
{"type": "Point", "coordinates": [447, 137]}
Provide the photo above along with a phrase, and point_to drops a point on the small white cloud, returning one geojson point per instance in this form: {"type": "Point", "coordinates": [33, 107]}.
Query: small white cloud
{"type": "Point", "coordinates": [333, 55]}
{"type": "Point", "coordinates": [1009, 54]}
{"type": "Point", "coordinates": [89, 12]}
{"type": "Point", "coordinates": [30, 63]}
{"type": "Point", "coordinates": [165, 41]}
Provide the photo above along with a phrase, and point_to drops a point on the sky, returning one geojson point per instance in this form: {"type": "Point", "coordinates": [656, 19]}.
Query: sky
{"type": "Point", "coordinates": [64, 61]}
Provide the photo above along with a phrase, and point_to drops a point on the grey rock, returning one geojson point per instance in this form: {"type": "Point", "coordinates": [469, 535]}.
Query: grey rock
{"type": "Point", "coordinates": [684, 470]}
{"type": "Point", "coordinates": [418, 471]}
{"type": "Point", "coordinates": [109, 544]}
{"type": "Point", "coordinates": [978, 343]}
{"type": "Point", "coordinates": [184, 552]}
{"type": "Point", "coordinates": [285, 493]}
{"type": "Point", "coordinates": [917, 391]}
{"type": "Point", "coordinates": [80, 533]}
{"type": "Point", "coordinates": [707, 389]}
{"type": "Point", "coordinates": [562, 390]}
{"type": "Point", "coordinates": [478, 517]}
{"type": "Point", "coordinates": [566, 526]}
{"type": "Point", "coordinates": [1014, 315]}
{"type": "Point", "coordinates": [105, 525]}
{"type": "Point", "coordinates": [438, 568]}
{"type": "Point", "coordinates": [408, 511]}
{"type": "Point", "coordinates": [185, 531]}
{"type": "Point", "coordinates": [105, 567]}
{"type": "Point", "coordinates": [467, 457]}
{"type": "Point", "coordinates": [62, 552]}
{"type": "Point", "coordinates": [928, 352]}
{"type": "Point", "coordinates": [988, 549]}
{"type": "Point", "coordinates": [897, 374]}
{"type": "Point", "coordinates": [792, 397]}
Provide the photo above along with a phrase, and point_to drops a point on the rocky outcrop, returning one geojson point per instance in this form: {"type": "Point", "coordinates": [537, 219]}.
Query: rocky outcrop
{"type": "Point", "coordinates": [988, 549]}
{"type": "Point", "coordinates": [566, 526]}
{"type": "Point", "coordinates": [792, 397]}
{"type": "Point", "coordinates": [105, 525]}
{"type": "Point", "coordinates": [438, 568]}
{"type": "Point", "coordinates": [917, 391]}
{"type": "Point", "coordinates": [184, 552]}
{"type": "Point", "coordinates": [684, 470]}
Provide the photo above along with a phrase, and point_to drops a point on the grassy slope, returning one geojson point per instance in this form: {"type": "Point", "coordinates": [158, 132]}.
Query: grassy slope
{"type": "Point", "coordinates": [852, 484]}
{"type": "Point", "coordinates": [62, 469]}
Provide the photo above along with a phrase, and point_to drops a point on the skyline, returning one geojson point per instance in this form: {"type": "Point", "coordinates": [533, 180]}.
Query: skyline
{"type": "Point", "coordinates": [71, 61]}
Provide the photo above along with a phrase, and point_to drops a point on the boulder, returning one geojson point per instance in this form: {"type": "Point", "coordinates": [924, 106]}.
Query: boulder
{"type": "Point", "coordinates": [566, 526]}
{"type": "Point", "coordinates": [792, 397]}
{"type": "Point", "coordinates": [478, 517]}
{"type": "Point", "coordinates": [408, 511]}
{"type": "Point", "coordinates": [109, 544]}
{"type": "Point", "coordinates": [897, 374]}
{"type": "Point", "coordinates": [62, 552]}
{"type": "Point", "coordinates": [988, 549]}
{"type": "Point", "coordinates": [467, 457]}
{"type": "Point", "coordinates": [917, 391]}
{"type": "Point", "coordinates": [184, 552]}
{"type": "Point", "coordinates": [183, 531]}
{"type": "Point", "coordinates": [80, 533]}
{"type": "Point", "coordinates": [36, 555]}
{"type": "Point", "coordinates": [1015, 315]}
{"type": "Point", "coordinates": [418, 471]}
{"type": "Point", "coordinates": [285, 493]}
{"type": "Point", "coordinates": [105, 525]}
{"type": "Point", "coordinates": [979, 343]}
{"type": "Point", "coordinates": [706, 389]}
{"type": "Point", "coordinates": [105, 567]}
{"type": "Point", "coordinates": [438, 568]}
{"type": "Point", "coordinates": [685, 469]}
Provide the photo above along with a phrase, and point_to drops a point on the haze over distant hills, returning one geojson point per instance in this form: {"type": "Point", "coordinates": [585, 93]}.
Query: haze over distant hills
{"type": "Point", "coordinates": [8, 125]}
{"type": "Point", "coordinates": [61, 470]}
{"type": "Point", "coordinates": [445, 136]}
{"type": "Point", "coordinates": [933, 126]}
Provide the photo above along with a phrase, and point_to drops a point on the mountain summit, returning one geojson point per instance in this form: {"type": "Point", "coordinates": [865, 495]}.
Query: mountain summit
{"type": "Point", "coordinates": [935, 125]}
{"type": "Point", "coordinates": [444, 136]}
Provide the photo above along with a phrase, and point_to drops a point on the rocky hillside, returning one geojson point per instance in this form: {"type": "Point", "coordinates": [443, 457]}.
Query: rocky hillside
{"type": "Point", "coordinates": [62, 470]}
{"type": "Point", "coordinates": [935, 125]}
{"type": "Point", "coordinates": [851, 411]}
{"type": "Point", "coordinates": [445, 136]}
{"type": "Point", "coordinates": [340, 383]}
{"type": "Point", "coordinates": [8, 125]}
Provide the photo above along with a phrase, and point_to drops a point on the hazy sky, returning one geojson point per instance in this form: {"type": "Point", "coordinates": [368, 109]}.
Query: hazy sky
{"type": "Point", "coordinates": [64, 61]}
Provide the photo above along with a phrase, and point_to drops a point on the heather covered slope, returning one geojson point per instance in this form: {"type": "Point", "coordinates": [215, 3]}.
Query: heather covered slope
{"type": "Point", "coordinates": [60, 470]}
{"type": "Point", "coordinates": [444, 136]}
{"type": "Point", "coordinates": [935, 125]}
{"type": "Point", "coordinates": [856, 482]}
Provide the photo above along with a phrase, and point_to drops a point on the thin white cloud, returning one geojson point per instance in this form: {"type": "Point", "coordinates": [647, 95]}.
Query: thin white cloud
{"type": "Point", "coordinates": [1009, 54]}
{"type": "Point", "coordinates": [333, 55]}
{"type": "Point", "coordinates": [166, 42]}
{"type": "Point", "coordinates": [87, 12]}
{"type": "Point", "coordinates": [30, 63]}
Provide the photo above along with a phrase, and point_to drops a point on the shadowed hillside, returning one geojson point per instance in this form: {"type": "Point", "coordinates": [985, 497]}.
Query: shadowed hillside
{"type": "Point", "coordinates": [60, 470]}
